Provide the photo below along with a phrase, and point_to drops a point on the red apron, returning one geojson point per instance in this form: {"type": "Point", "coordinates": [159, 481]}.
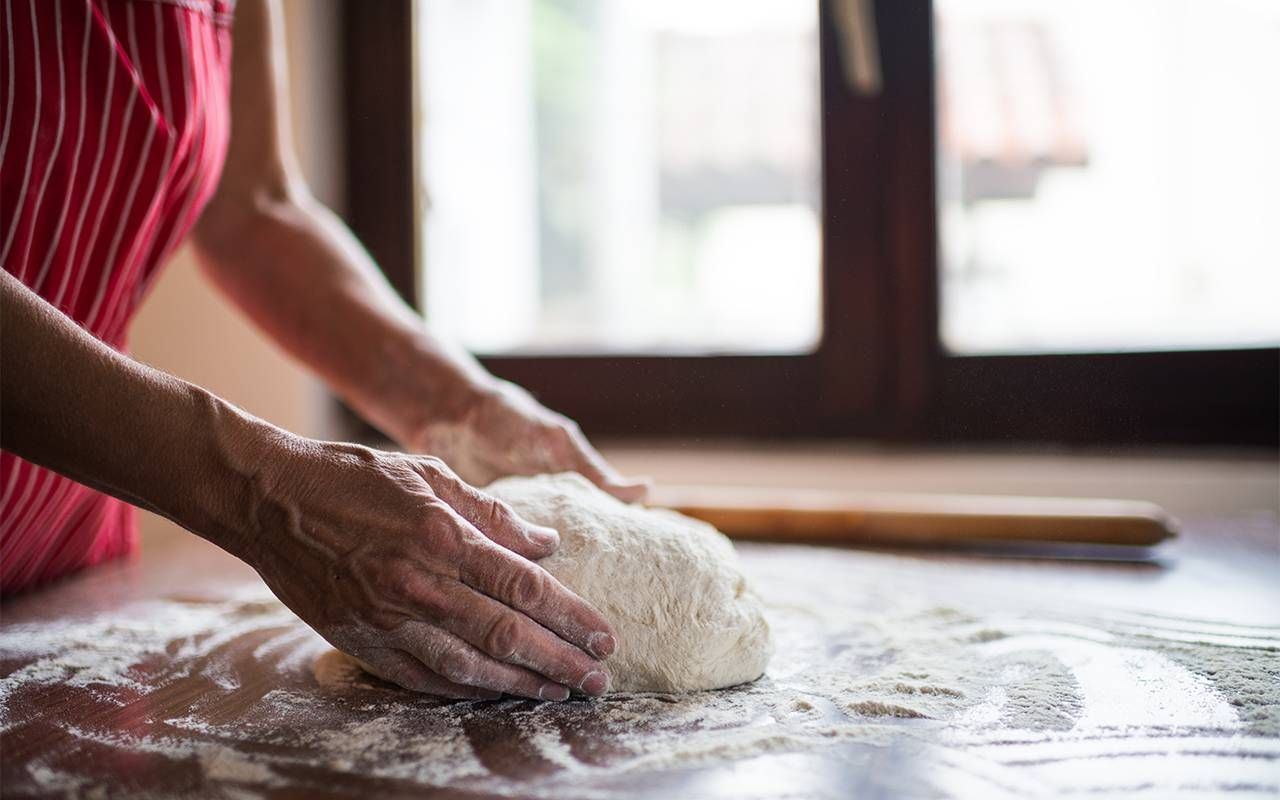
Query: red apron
{"type": "Point", "coordinates": [114, 128]}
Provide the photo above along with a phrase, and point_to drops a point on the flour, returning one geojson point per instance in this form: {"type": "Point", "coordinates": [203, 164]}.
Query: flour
{"type": "Point", "coordinates": [1249, 679]}
{"type": "Point", "coordinates": [437, 754]}
{"type": "Point", "coordinates": [225, 764]}
{"type": "Point", "coordinates": [111, 653]}
{"type": "Point", "coordinates": [870, 650]}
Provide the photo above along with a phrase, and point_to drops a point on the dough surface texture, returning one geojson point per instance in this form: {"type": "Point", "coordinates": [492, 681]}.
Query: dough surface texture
{"type": "Point", "coordinates": [671, 586]}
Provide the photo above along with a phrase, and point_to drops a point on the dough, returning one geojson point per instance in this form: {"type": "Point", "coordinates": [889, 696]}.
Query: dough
{"type": "Point", "coordinates": [683, 614]}
{"type": "Point", "coordinates": [671, 587]}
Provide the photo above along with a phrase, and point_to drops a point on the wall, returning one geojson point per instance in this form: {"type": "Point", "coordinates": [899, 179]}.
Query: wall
{"type": "Point", "coordinates": [188, 329]}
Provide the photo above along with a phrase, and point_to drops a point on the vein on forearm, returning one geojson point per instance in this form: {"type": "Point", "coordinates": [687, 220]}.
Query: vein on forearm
{"type": "Point", "coordinates": [115, 424]}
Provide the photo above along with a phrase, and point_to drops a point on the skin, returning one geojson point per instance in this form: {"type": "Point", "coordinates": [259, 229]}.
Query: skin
{"type": "Point", "coordinates": [392, 557]}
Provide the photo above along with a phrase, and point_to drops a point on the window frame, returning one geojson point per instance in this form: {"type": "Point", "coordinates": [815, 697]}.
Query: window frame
{"type": "Point", "coordinates": [880, 369]}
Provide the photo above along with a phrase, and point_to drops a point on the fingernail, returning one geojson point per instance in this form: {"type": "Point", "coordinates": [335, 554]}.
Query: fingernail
{"type": "Point", "coordinates": [637, 489]}
{"type": "Point", "coordinates": [601, 645]}
{"type": "Point", "coordinates": [553, 691]}
{"type": "Point", "coordinates": [544, 537]}
{"type": "Point", "coordinates": [596, 683]}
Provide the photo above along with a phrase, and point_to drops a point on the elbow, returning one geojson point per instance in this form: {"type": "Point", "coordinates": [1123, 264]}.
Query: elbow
{"type": "Point", "coordinates": [238, 219]}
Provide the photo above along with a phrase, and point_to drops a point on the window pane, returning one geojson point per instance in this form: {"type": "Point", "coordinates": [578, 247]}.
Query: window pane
{"type": "Point", "coordinates": [620, 175]}
{"type": "Point", "coordinates": [1109, 174]}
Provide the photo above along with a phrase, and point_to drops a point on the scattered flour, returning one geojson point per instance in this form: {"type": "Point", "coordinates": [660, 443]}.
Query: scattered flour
{"type": "Point", "coordinates": [875, 650]}
{"type": "Point", "coordinates": [225, 764]}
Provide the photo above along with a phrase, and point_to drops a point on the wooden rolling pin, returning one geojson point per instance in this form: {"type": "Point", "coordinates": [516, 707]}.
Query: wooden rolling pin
{"type": "Point", "coordinates": [844, 518]}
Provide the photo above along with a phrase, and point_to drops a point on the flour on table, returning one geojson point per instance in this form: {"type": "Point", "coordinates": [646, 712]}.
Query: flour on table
{"type": "Point", "coordinates": [671, 586]}
{"type": "Point", "coordinates": [1011, 690]}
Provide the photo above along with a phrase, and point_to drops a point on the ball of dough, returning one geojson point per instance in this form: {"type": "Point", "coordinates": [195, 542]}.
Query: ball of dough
{"type": "Point", "coordinates": [671, 586]}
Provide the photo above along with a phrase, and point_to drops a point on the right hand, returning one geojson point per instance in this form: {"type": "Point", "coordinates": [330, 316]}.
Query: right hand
{"type": "Point", "coordinates": [426, 580]}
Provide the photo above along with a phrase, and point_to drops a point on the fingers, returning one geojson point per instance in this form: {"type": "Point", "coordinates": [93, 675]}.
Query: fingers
{"type": "Point", "coordinates": [530, 589]}
{"type": "Point", "coordinates": [592, 466]}
{"type": "Point", "coordinates": [460, 663]}
{"type": "Point", "coordinates": [402, 669]}
{"type": "Point", "coordinates": [511, 637]}
{"type": "Point", "coordinates": [492, 517]}
{"type": "Point", "coordinates": [508, 613]}
{"type": "Point", "coordinates": [499, 523]}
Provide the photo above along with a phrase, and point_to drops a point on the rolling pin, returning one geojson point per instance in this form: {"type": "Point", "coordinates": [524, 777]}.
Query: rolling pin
{"type": "Point", "coordinates": [843, 518]}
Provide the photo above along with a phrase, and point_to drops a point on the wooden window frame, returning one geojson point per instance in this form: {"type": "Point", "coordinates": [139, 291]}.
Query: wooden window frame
{"type": "Point", "coordinates": [880, 369]}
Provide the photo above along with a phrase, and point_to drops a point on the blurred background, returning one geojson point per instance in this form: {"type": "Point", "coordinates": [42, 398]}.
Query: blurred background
{"type": "Point", "coordinates": [1107, 174]}
{"type": "Point", "coordinates": [1023, 246]}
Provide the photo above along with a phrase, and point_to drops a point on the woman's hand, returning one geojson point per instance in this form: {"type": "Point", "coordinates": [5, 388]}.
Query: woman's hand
{"type": "Point", "coordinates": [426, 580]}
{"type": "Point", "coordinates": [504, 431]}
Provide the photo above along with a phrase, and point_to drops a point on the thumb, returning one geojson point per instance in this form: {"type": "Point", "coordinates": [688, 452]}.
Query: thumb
{"type": "Point", "coordinates": [592, 466]}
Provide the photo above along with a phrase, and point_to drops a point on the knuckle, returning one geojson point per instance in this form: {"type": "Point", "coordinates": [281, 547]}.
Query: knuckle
{"type": "Point", "coordinates": [391, 586]}
{"type": "Point", "coordinates": [431, 512]}
{"type": "Point", "coordinates": [457, 666]}
{"type": "Point", "coordinates": [502, 639]}
{"type": "Point", "coordinates": [442, 534]}
{"type": "Point", "coordinates": [496, 513]}
{"type": "Point", "coordinates": [429, 595]}
{"type": "Point", "coordinates": [433, 467]}
{"type": "Point", "coordinates": [435, 513]}
{"type": "Point", "coordinates": [527, 586]}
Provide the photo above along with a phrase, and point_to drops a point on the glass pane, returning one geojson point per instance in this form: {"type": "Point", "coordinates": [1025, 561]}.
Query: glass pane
{"type": "Point", "coordinates": [620, 175]}
{"type": "Point", "coordinates": [1109, 174]}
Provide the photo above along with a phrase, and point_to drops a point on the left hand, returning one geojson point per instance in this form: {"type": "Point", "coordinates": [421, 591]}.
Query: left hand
{"type": "Point", "coordinates": [504, 431]}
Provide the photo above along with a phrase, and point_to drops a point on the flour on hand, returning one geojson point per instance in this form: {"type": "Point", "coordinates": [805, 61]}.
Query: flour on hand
{"type": "Point", "coordinates": [671, 586]}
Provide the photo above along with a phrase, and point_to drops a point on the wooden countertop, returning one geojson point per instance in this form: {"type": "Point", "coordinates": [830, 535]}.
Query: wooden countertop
{"type": "Point", "coordinates": [896, 674]}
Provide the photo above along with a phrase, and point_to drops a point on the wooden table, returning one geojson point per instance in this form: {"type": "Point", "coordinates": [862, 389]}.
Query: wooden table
{"type": "Point", "coordinates": [896, 674]}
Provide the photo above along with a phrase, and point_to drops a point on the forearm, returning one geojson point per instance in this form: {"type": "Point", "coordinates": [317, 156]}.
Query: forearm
{"type": "Point", "coordinates": [72, 404]}
{"type": "Point", "coordinates": [303, 278]}
{"type": "Point", "coordinates": [389, 556]}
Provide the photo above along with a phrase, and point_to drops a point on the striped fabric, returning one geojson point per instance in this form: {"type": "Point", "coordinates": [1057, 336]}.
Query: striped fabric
{"type": "Point", "coordinates": [115, 125]}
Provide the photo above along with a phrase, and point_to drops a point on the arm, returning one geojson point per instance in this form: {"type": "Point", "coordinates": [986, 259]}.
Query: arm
{"type": "Point", "coordinates": [388, 556]}
{"type": "Point", "coordinates": [301, 276]}
{"type": "Point", "coordinates": [120, 427]}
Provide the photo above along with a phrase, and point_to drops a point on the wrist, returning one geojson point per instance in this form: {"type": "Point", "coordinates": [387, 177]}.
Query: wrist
{"type": "Point", "coordinates": [238, 456]}
{"type": "Point", "coordinates": [428, 388]}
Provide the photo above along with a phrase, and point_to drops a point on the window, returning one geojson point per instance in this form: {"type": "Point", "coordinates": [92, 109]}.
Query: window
{"type": "Point", "coordinates": [1108, 174]}
{"type": "Point", "coordinates": [649, 167]}
{"type": "Point", "coordinates": [902, 263]}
